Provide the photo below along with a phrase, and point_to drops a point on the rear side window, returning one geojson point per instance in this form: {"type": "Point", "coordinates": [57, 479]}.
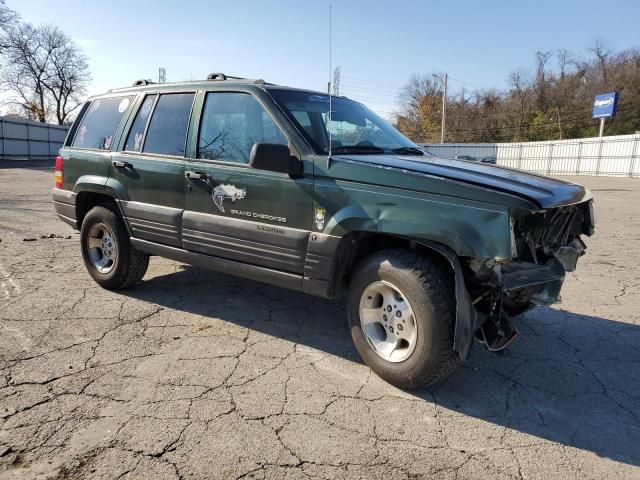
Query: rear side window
{"type": "Point", "coordinates": [99, 123]}
{"type": "Point", "coordinates": [167, 132]}
{"type": "Point", "coordinates": [231, 123]}
{"type": "Point", "coordinates": [136, 134]}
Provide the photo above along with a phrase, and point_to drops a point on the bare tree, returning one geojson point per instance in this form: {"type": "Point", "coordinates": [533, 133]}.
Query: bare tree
{"type": "Point", "coordinates": [521, 93]}
{"type": "Point", "coordinates": [68, 73]}
{"type": "Point", "coordinates": [45, 72]}
{"type": "Point", "coordinates": [552, 99]}
{"type": "Point", "coordinates": [8, 19]}
{"type": "Point", "coordinates": [565, 60]}
{"type": "Point", "coordinates": [25, 70]}
{"type": "Point", "coordinates": [542, 58]}
{"type": "Point", "coordinates": [602, 54]}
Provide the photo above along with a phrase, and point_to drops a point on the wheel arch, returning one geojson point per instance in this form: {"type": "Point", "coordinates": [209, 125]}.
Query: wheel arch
{"type": "Point", "coordinates": [357, 245]}
{"type": "Point", "coordinates": [92, 190]}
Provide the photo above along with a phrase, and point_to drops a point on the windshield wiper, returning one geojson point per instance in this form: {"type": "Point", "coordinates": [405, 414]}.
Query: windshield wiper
{"type": "Point", "coordinates": [408, 151]}
{"type": "Point", "coordinates": [363, 149]}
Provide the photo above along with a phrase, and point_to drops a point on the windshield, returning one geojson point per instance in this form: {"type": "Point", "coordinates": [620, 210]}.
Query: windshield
{"type": "Point", "coordinates": [353, 127]}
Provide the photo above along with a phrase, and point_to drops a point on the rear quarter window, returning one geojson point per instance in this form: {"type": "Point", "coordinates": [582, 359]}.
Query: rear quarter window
{"type": "Point", "coordinates": [99, 123]}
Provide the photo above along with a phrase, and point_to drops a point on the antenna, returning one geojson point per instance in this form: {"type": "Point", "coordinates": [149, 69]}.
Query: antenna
{"type": "Point", "coordinates": [330, 72]}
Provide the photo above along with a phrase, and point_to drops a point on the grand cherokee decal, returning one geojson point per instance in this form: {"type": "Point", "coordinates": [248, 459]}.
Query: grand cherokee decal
{"type": "Point", "coordinates": [222, 192]}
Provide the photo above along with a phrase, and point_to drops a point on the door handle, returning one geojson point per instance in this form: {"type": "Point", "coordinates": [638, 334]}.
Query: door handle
{"type": "Point", "coordinates": [119, 164]}
{"type": "Point", "coordinates": [196, 175]}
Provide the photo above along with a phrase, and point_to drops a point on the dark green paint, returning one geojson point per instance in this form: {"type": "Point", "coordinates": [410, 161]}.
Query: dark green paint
{"type": "Point", "coordinates": [465, 206]}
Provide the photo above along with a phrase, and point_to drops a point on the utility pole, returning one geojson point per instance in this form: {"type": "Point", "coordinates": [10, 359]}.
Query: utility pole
{"type": "Point", "coordinates": [559, 124]}
{"type": "Point", "coordinates": [444, 104]}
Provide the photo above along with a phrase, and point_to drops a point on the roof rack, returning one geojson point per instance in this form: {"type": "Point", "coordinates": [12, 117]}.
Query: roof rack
{"type": "Point", "coordinates": [142, 82]}
{"type": "Point", "coordinates": [221, 77]}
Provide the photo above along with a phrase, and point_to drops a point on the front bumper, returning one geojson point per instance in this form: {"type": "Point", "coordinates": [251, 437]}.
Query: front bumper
{"type": "Point", "coordinates": [64, 203]}
{"type": "Point", "coordinates": [538, 283]}
{"type": "Point", "coordinates": [543, 281]}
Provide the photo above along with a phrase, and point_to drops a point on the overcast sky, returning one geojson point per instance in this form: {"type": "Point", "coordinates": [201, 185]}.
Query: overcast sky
{"type": "Point", "coordinates": [378, 44]}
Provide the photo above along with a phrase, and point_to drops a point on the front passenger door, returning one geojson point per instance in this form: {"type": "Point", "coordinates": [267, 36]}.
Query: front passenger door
{"type": "Point", "coordinates": [234, 211]}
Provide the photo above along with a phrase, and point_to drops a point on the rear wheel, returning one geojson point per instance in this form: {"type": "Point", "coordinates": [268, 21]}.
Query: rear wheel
{"type": "Point", "coordinates": [401, 310]}
{"type": "Point", "coordinates": [107, 251]}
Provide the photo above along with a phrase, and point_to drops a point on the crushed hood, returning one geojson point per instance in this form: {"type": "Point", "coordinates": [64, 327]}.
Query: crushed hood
{"type": "Point", "coordinates": [547, 192]}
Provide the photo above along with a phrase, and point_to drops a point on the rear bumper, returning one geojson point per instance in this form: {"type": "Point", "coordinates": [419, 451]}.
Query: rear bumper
{"type": "Point", "coordinates": [64, 203]}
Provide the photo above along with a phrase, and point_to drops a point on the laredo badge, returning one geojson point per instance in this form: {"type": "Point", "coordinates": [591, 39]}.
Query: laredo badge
{"type": "Point", "coordinates": [222, 192]}
{"type": "Point", "coordinates": [319, 217]}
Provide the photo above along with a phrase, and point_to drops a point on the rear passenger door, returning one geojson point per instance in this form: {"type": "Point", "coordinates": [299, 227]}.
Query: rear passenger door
{"type": "Point", "coordinates": [149, 166]}
{"type": "Point", "coordinates": [237, 212]}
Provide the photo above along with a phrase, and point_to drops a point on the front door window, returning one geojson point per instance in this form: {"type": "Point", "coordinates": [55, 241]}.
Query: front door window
{"type": "Point", "coordinates": [231, 124]}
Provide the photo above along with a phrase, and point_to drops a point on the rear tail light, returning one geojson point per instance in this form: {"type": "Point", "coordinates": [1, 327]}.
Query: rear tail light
{"type": "Point", "coordinates": [58, 173]}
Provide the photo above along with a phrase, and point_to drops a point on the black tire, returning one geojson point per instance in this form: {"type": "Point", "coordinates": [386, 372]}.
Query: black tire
{"type": "Point", "coordinates": [130, 265]}
{"type": "Point", "coordinates": [428, 286]}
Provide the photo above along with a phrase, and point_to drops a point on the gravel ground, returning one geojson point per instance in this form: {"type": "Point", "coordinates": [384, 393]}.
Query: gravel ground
{"type": "Point", "coordinates": [194, 374]}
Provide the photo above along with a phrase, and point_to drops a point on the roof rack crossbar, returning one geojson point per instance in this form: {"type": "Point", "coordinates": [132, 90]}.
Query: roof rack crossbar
{"type": "Point", "coordinates": [217, 76]}
{"type": "Point", "coordinates": [142, 82]}
{"type": "Point", "coordinates": [220, 77]}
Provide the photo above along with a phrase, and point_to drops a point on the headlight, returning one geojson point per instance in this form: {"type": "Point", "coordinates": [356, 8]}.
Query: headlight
{"type": "Point", "coordinates": [592, 212]}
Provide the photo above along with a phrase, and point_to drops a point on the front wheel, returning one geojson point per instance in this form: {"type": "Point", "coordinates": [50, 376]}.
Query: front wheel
{"type": "Point", "coordinates": [107, 251]}
{"type": "Point", "coordinates": [401, 311]}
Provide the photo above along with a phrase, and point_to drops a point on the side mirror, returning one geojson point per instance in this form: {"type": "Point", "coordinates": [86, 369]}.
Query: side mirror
{"type": "Point", "coordinates": [274, 157]}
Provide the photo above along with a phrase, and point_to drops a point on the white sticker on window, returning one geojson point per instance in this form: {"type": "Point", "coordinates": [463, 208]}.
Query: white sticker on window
{"type": "Point", "coordinates": [123, 105]}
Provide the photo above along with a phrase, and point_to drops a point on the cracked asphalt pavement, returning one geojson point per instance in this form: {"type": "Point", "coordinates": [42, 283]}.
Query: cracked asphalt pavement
{"type": "Point", "coordinates": [195, 374]}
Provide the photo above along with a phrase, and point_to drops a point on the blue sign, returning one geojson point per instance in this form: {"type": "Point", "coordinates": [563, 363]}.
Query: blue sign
{"type": "Point", "coordinates": [604, 105]}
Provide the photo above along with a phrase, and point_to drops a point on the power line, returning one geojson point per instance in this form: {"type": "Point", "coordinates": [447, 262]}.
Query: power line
{"type": "Point", "coordinates": [370, 86]}
{"type": "Point", "coordinates": [399, 86]}
{"type": "Point", "coordinates": [374, 98]}
{"type": "Point", "coordinates": [466, 83]}
{"type": "Point", "coordinates": [376, 82]}
{"type": "Point", "coordinates": [573, 114]}
{"type": "Point", "coordinates": [346, 90]}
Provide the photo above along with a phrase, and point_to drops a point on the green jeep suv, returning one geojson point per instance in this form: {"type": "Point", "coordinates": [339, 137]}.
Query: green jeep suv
{"type": "Point", "coordinates": [318, 194]}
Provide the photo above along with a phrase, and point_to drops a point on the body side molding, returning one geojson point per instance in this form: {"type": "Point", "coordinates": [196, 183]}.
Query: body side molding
{"type": "Point", "coordinates": [232, 267]}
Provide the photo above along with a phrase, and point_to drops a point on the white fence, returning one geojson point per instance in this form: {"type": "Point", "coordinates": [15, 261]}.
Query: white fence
{"type": "Point", "coordinates": [450, 150]}
{"type": "Point", "coordinates": [615, 156]}
{"type": "Point", "coordinates": [25, 140]}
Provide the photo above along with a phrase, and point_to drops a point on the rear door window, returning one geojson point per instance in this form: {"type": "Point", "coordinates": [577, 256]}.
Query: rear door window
{"type": "Point", "coordinates": [167, 131]}
{"type": "Point", "coordinates": [99, 123]}
{"type": "Point", "coordinates": [136, 134]}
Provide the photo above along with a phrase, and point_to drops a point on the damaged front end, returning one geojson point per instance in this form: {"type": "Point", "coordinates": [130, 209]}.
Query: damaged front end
{"type": "Point", "coordinates": [545, 245]}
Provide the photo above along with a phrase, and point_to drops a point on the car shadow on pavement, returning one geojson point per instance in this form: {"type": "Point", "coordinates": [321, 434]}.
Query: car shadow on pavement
{"type": "Point", "coordinates": [571, 379]}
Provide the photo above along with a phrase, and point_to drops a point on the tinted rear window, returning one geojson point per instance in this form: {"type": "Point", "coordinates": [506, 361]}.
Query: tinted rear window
{"type": "Point", "coordinates": [167, 132]}
{"type": "Point", "coordinates": [99, 123]}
